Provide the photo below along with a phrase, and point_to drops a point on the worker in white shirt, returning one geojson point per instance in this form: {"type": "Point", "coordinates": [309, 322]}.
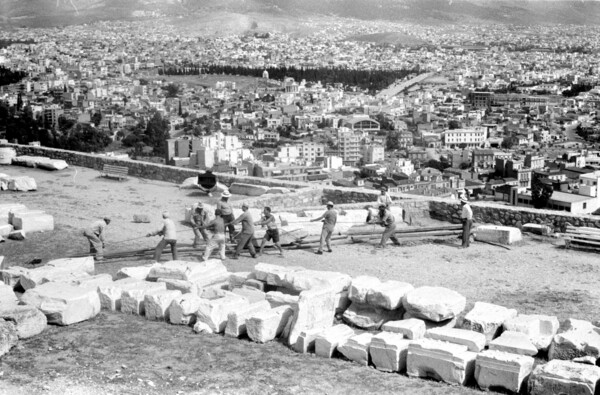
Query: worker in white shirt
{"type": "Point", "coordinates": [467, 220]}
{"type": "Point", "coordinates": [169, 234]}
{"type": "Point", "coordinates": [384, 198]}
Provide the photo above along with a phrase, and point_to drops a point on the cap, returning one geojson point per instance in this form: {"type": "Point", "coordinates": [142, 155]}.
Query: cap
{"type": "Point", "coordinates": [226, 194]}
{"type": "Point", "coordinates": [245, 205]}
{"type": "Point", "coordinates": [329, 203]}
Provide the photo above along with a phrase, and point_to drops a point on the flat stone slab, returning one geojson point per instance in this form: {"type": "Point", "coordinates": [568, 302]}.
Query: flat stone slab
{"type": "Point", "coordinates": [28, 320]}
{"type": "Point", "coordinates": [137, 272]}
{"type": "Point", "coordinates": [388, 351]}
{"type": "Point", "coordinates": [487, 318]}
{"type": "Point", "coordinates": [540, 328]}
{"type": "Point", "coordinates": [63, 304]}
{"type": "Point", "coordinates": [12, 275]}
{"type": "Point", "coordinates": [276, 299]}
{"type": "Point", "coordinates": [356, 348]}
{"type": "Point", "coordinates": [132, 297]}
{"type": "Point", "coordinates": [238, 188]}
{"type": "Point", "coordinates": [182, 310]}
{"type": "Point", "coordinates": [514, 342]}
{"type": "Point", "coordinates": [564, 377]}
{"type": "Point", "coordinates": [369, 317]}
{"type": "Point", "coordinates": [451, 363]}
{"type": "Point", "coordinates": [361, 286]}
{"type": "Point", "coordinates": [498, 234]}
{"type": "Point", "coordinates": [274, 274]}
{"type": "Point", "coordinates": [204, 273]}
{"type": "Point", "coordinates": [253, 295]}
{"type": "Point", "coordinates": [315, 309]}
{"type": "Point", "coordinates": [388, 295]}
{"type": "Point", "coordinates": [110, 294]}
{"type": "Point", "coordinates": [8, 336]}
{"type": "Point", "coordinates": [327, 341]}
{"type": "Point", "coordinates": [474, 341]}
{"type": "Point", "coordinates": [84, 264]}
{"type": "Point", "coordinates": [214, 312]}
{"type": "Point", "coordinates": [33, 223]}
{"type": "Point", "coordinates": [264, 326]}
{"type": "Point", "coordinates": [576, 338]}
{"type": "Point", "coordinates": [236, 320]}
{"type": "Point", "coordinates": [412, 328]}
{"type": "Point", "coordinates": [496, 369]}
{"type": "Point", "coordinates": [41, 275]}
{"type": "Point", "coordinates": [434, 303]}
{"type": "Point", "coordinates": [156, 304]}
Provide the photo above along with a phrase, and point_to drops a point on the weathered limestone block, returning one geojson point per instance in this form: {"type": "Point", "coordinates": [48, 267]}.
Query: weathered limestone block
{"type": "Point", "coordinates": [6, 229]}
{"type": "Point", "coordinates": [538, 229]}
{"type": "Point", "coordinates": [31, 223]}
{"type": "Point", "coordinates": [434, 303]}
{"type": "Point", "coordinates": [265, 326]}
{"type": "Point", "coordinates": [84, 264]}
{"type": "Point", "coordinates": [137, 272]}
{"type": "Point", "coordinates": [412, 328]}
{"type": "Point", "coordinates": [274, 274]}
{"type": "Point", "coordinates": [253, 295]}
{"type": "Point", "coordinates": [388, 351]}
{"type": "Point", "coordinates": [389, 294]}
{"type": "Point", "coordinates": [238, 188]}
{"type": "Point", "coordinates": [502, 370]}
{"type": "Point", "coordinates": [498, 234]}
{"type": "Point", "coordinates": [236, 320]}
{"type": "Point", "coordinates": [8, 298]}
{"type": "Point", "coordinates": [110, 294]}
{"type": "Point", "coordinates": [315, 309]}
{"type": "Point", "coordinates": [356, 348]}
{"type": "Point", "coordinates": [18, 235]}
{"type": "Point", "coordinates": [276, 299]}
{"type": "Point", "coordinates": [540, 328]}
{"type": "Point", "coordinates": [369, 317]}
{"type": "Point", "coordinates": [12, 213]}
{"type": "Point", "coordinates": [306, 341]}
{"type": "Point", "coordinates": [23, 183]}
{"type": "Point", "coordinates": [327, 341]}
{"type": "Point", "coordinates": [576, 338]}
{"type": "Point", "coordinates": [28, 320]}
{"type": "Point", "coordinates": [488, 318]}
{"type": "Point", "coordinates": [451, 363]}
{"type": "Point", "coordinates": [132, 297]}
{"type": "Point", "coordinates": [361, 286]}
{"type": "Point", "coordinates": [201, 273]}
{"type": "Point", "coordinates": [304, 280]}
{"type": "Point", "coordinates": [254, 283]}
{"type": "Point", "coordinates": [6, 208]}
{"type": "Point", "coordinates": [474, 341]}
{"type": "Point", "coordinates": [63, 304]}
{"type": "Point", "coordinates": [180, 285]}
{"type": "Point", "coordinates": [237, 279]}
{"type": "Point", "coordinates": [94, 282]}
{"type": "Point", "coordinates": [156, 304]}
{"type": "Point", "coordinates": [342, 302]}
{"type": "Point", "coordinates": [214, 312]}
{"type": "Point", "coordinates": [201, 327]}
{"type": "Point", "coordinates": [182, 310]}
{"type": "Point", "coordinates": [564, 377]}
{"type": "Point", "coordinates": [44, 274]}
{"type": "Point", "coordinates": [514, 342]}
{"type": "Point", "coordinates": [8, 336]}
{"type": "Point", "coordinates": [449, 323]}
{"type": "Point", "coordinates": [12, 275]}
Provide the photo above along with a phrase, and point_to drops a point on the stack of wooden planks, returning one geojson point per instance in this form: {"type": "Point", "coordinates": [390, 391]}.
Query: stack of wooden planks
{"type": "Point", "coordinates": [583, 238]}
{"type": "Point", "coordinates": [405, 233]}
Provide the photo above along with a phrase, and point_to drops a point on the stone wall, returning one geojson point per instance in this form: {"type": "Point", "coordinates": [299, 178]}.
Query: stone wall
{"type": "Point", "coordinates": [302, 198]}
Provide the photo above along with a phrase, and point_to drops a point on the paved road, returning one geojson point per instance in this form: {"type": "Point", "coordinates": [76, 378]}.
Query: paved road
{"type": "Point", "coordinates": [396, 87]}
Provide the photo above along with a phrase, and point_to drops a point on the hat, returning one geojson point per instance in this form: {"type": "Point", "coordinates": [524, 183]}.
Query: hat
{"type": "Point", "coordinates": [245, 204]}
{"type": "Point", "coordinates": [226, 194]}
{"type": "Point", "coordinates": [464, 200]}
{"type": "Point", "coordinates": [329, 203]}
{"type": "Point", "coordinates": [106, 219]}
{"type": "Point", "coordinates": [200, 205]}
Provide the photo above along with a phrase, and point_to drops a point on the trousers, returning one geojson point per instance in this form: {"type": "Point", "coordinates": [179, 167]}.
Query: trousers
{"type": "Point", "coordinates": [96, 245]}
{"type": "Point", "coordinates": [326, 234]}
{"type": "Point", "coordinates": [197, 234]}
{"type": "Point", "coordinates": [466, 232]}
{"type": "Point", "coordinates": [389, 233]}
{"type": "Point", "coordinates": [217, 241]}
{"type": "Point", "coordinates": [245, 239]}
{"type": "Point", "coordinates": [162, 244]}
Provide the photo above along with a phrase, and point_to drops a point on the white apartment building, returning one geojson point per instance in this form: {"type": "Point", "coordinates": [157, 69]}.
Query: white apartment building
{"type": "Point", "coordinates": [373, 154]}
{"type": "Point", "coordinates": [349, 147]}
{"type": "Point", "coordinates": [405, 166]}
{"type": "Point", "coordinates": [287, 154]}
{"type": "Point", "coordinates": [472, 137]}
{"type": "Point", "coordinates": [310, 151]}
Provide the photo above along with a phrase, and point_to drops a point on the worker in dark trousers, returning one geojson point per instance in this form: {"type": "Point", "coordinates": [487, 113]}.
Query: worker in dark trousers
{"type": "Point", "coordinates": [95, 236]}
{"type": "Point", "coordinates": [247, 235]}
{"type": "Point", "coordinates": [227, 213]}
{"type": "Point", "coordinates": [466, 216]}
{"type": "Point", "coordinates": [387, 220]}
{"type": "Point", "coordinates": [169, 234]}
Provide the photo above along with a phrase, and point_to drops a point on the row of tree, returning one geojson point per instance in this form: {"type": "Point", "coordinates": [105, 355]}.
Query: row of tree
{"type": "Point", "coordinates": [8, 76]}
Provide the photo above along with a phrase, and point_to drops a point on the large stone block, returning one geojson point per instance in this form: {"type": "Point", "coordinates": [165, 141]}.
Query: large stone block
{"type": "Point", "coordinates": [474, 341]}
{"type": "Point", "coordinates": [110, 294]}
{"type": "Point", "coordinates": [13, 212]}
{"type": "Point", "coordinates": [449, 323]}
{"type": "Point", "coordinates": [236, 320]}
{"type": "Point", "coordinates": [564, 377]}
{"type": "Point", "coordinates": [84, 264]}
{"type": "Point", "coordinates": [33, 223]}
{"type": "Point", "coordinates": [276, 299]}
{"type": "Point", "coordinates": [451, 363]}
{"type": "Point", "coordinates": [538, 229]}
{"type": "Point", "coordinates": [6, 208]}
{"type": "Point", "coordinates": [412, 328]}
{"type": "Point", "coordinates": [265, 326]}
{"type": "Point", "coordinates": [253, 295]}
{"type": "Point", "coordinates": [361, 286]}
{"type": "Point", "coordinates": [305, 342]}
{"type": "Point", "coordinates": [315, 309]}
{"type": "Point", "coordinates": [182, 310]}
{"type": "Point", "coordinates": [388, 351]}
{"type": "Point", "coordinates": [156, 304]}
{"type": "Point", "coordinates": [94, 282]}
{"type": "Point", "coordinates": [201, 273]}
{"type": "Point", "coordinates": [434, 303]}
{"type": "Point", "coordinates": [132, 297]}
{"type": "Point", "coordinates": [389, 294]}
{"type": "Point", "coordinates": [356, 348]}
{"type": "Point", "coordinates": [514, 342]}
{"type": "Point", "coordinates": [8, 298]}
{"type": "Point", "coordinates": [137, 272]}
{"type": "Point", "coordinates": [214, 312]}
{"type": "Point", "coordinates": [488, 318]}
{"type": "Point", "coordinates": [369, 317]}
{"type": "Point", "coordinates": [237, 279]}
{"type": "Point", "coordinates": [274, 274]}
{"type": "Point", "coordinates": [45, 274]}
{"type": "Point", "coordinates": [498, 234]}
{"type": "Point", "coordinates": [28, 320]}
{"type": "Point", "coordinates": [327, 341]}
{"type": "Point", "coordinates": [304, 280]}
{"type": "Point", "coordinates": [23, 183]}
{"type": "Point", "coordinates": [63, 304]}
{"type": "Point", "coordinates": [238, 188]}
{"type": "Point", "coordinates": [8, 336]}
{"type": "Point", "coordinates": [540, 328]}
{"type": "Point", "coordinates": [12, 275]}
{"type": "Point", "coordinates": [576, 338]}
{"type": "Point", "coordinates": [6, 229]}
{"type": "Point", "coordinates": [180, 285]}
{"type": "Point", "coordinates": [496, 369]}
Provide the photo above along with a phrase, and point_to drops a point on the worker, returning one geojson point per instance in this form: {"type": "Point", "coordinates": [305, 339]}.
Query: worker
{"type": "Point", "coordinates": [199, 218]}
{"type": "Point", "coordinates": [272, 232]}
{"type": "Point", "coordinates": [217, 226]}
{"type": "Point", "coordinates": [387, 220]}
{"type": "Point", "coordinates": [169, 235]}
{"type": "Point", "coordinates": [95, 236]}
{"type": "Point", "coordinates": [371, 214]}
{"type": "Point", "coordinates": [227, 212]}
{"type": "Point", "coordinates": [247, 234]}
{"type": "Point", "coordinates": [329, 219]}
{"type": "Point", "coordinates": [466, 216]}
{"type": "Point", "coordinates": [384, 198]}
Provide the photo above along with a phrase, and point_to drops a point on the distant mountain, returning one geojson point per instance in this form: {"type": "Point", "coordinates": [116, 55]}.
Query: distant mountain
{"type": "Point", "coordinates": [527, 12]}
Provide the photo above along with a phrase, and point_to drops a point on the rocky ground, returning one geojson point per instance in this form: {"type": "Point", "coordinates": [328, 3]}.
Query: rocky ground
{"type": "Point", "coordinates": [114, 353]}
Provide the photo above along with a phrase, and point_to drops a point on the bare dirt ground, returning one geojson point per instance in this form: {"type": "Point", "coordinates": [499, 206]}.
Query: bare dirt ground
{"type": "Point", "coordinates": [114, 353]}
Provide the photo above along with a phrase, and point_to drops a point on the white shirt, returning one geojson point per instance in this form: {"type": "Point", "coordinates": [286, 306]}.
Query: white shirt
{"type": "Point", "coordinates": [466, 213]}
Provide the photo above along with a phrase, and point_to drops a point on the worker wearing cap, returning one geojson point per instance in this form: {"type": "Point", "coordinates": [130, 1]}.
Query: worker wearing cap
{"type": "Point", "coordinates": [227, 212]}
{"type": "Point", "coordinates": [384, 198]}
{"type": "Point", "coordinates": [272, 232]}
{"type": "Point", "coordinates": [169, 234]}
{"type": "Point", "coordinates": [95, 236]}
{"type": "Point", "coordinates": [387, 220]}
{"type": "Point", "coordinates": [217, 226]}
{"type": "Point", "coordinates": [247, 235]}
{"type": "Point", "coordinates": [199, 218]}
{"type": "Point", "coordinates": [466, 216]}
{"type": "Point", "coordinates": [329, 219]}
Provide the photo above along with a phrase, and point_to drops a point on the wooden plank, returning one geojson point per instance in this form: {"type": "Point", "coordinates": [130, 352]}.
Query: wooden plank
{"type": "Point", "coordinates": [378, 229]}
{"type": "Point", "coordinates": [583, 229]}
{"type": "Point", "coordinates": [584, 248]}
{"type": "Point", "coordinates": [582, 241]}
{"type": "Point", "coordinates": [583, 236]}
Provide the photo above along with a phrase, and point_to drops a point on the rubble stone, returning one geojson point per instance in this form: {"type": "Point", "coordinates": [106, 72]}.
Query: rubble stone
{"type": "Point", "coordinates": [356, 348]}
{"type": "Point", "coordinates": [265, 326]}
{"type": "Point", "coordinates": [388, 351]}
{"type": "Point", "coordinates": [236, 320]}
{"type": "Point", "coordinates": [488, 318]}
{"type": "Point", "coordinates": [182, 310]}
{"type": "Point", "coordinates": [156, 304]}
{"type": "Point", "coordinates": [475, 341]}
{"type": "Point", "coordinates": [514, 342]}
{"type": "Point", "coordinates": [361, 286]}
{"type": "Point", "coordinates": [434, 303]}
{"type": "Point", "coordinates": [369, 317]}
{"type": "Point", "coordinates": [496, 369]}
{"type": "Point", "coordinates": [327, 341]}
{"type": "Point", "coordinates": [389, 294]}
{"type": "Point", "coordinates": [28, 320]}
{"type": "Point", "coordinates": [564, 377]}
{"type": "Point", "coordinates": [18, 235]}
{"type": "Point", "coordinates": [412, 328]}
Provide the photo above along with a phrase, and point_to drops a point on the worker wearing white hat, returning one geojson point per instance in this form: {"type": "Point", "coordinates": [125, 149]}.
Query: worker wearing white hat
{"type": "Point", "coordinates": [467, 219]}
{"type": "Point", "coordinates": [227, 212]}
{"type": "Point", "coordinates": [329, 219]}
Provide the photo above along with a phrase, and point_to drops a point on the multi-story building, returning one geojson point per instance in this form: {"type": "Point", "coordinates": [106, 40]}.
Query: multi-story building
{"type": "Point", "coordinates": [51, 115]}
{"type": "Point", "coordinates": [349, 147]}
{"type": "Point", "coordinates": [373, 154]}
{"type": "Point", "coordinates": [465, 138]}
{"type": "Point", "coordinates": [310, 151]}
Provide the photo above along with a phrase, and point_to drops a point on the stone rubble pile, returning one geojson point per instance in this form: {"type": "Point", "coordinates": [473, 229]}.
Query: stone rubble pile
{"type": "Point", "coordinates": [390, 325]}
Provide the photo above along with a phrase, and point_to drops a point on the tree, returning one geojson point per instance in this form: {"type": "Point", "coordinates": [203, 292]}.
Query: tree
{"type": "Point", "coordinates": [85, 138]}
{"type": "Point", "coordinates": [392, 142]}
{"type": "Point", "coordinates": [540, 193]}
{"type": "Point", "coordinates": [157, 132]}
{"type": "Point", "coordinates": [507, 143]}
{"type": "Point", "coordinates": [453, 124]}
{"type": "Point", "coordinates": [172, 90]}
{"type": "Point", "coordinates": [97, 118]}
